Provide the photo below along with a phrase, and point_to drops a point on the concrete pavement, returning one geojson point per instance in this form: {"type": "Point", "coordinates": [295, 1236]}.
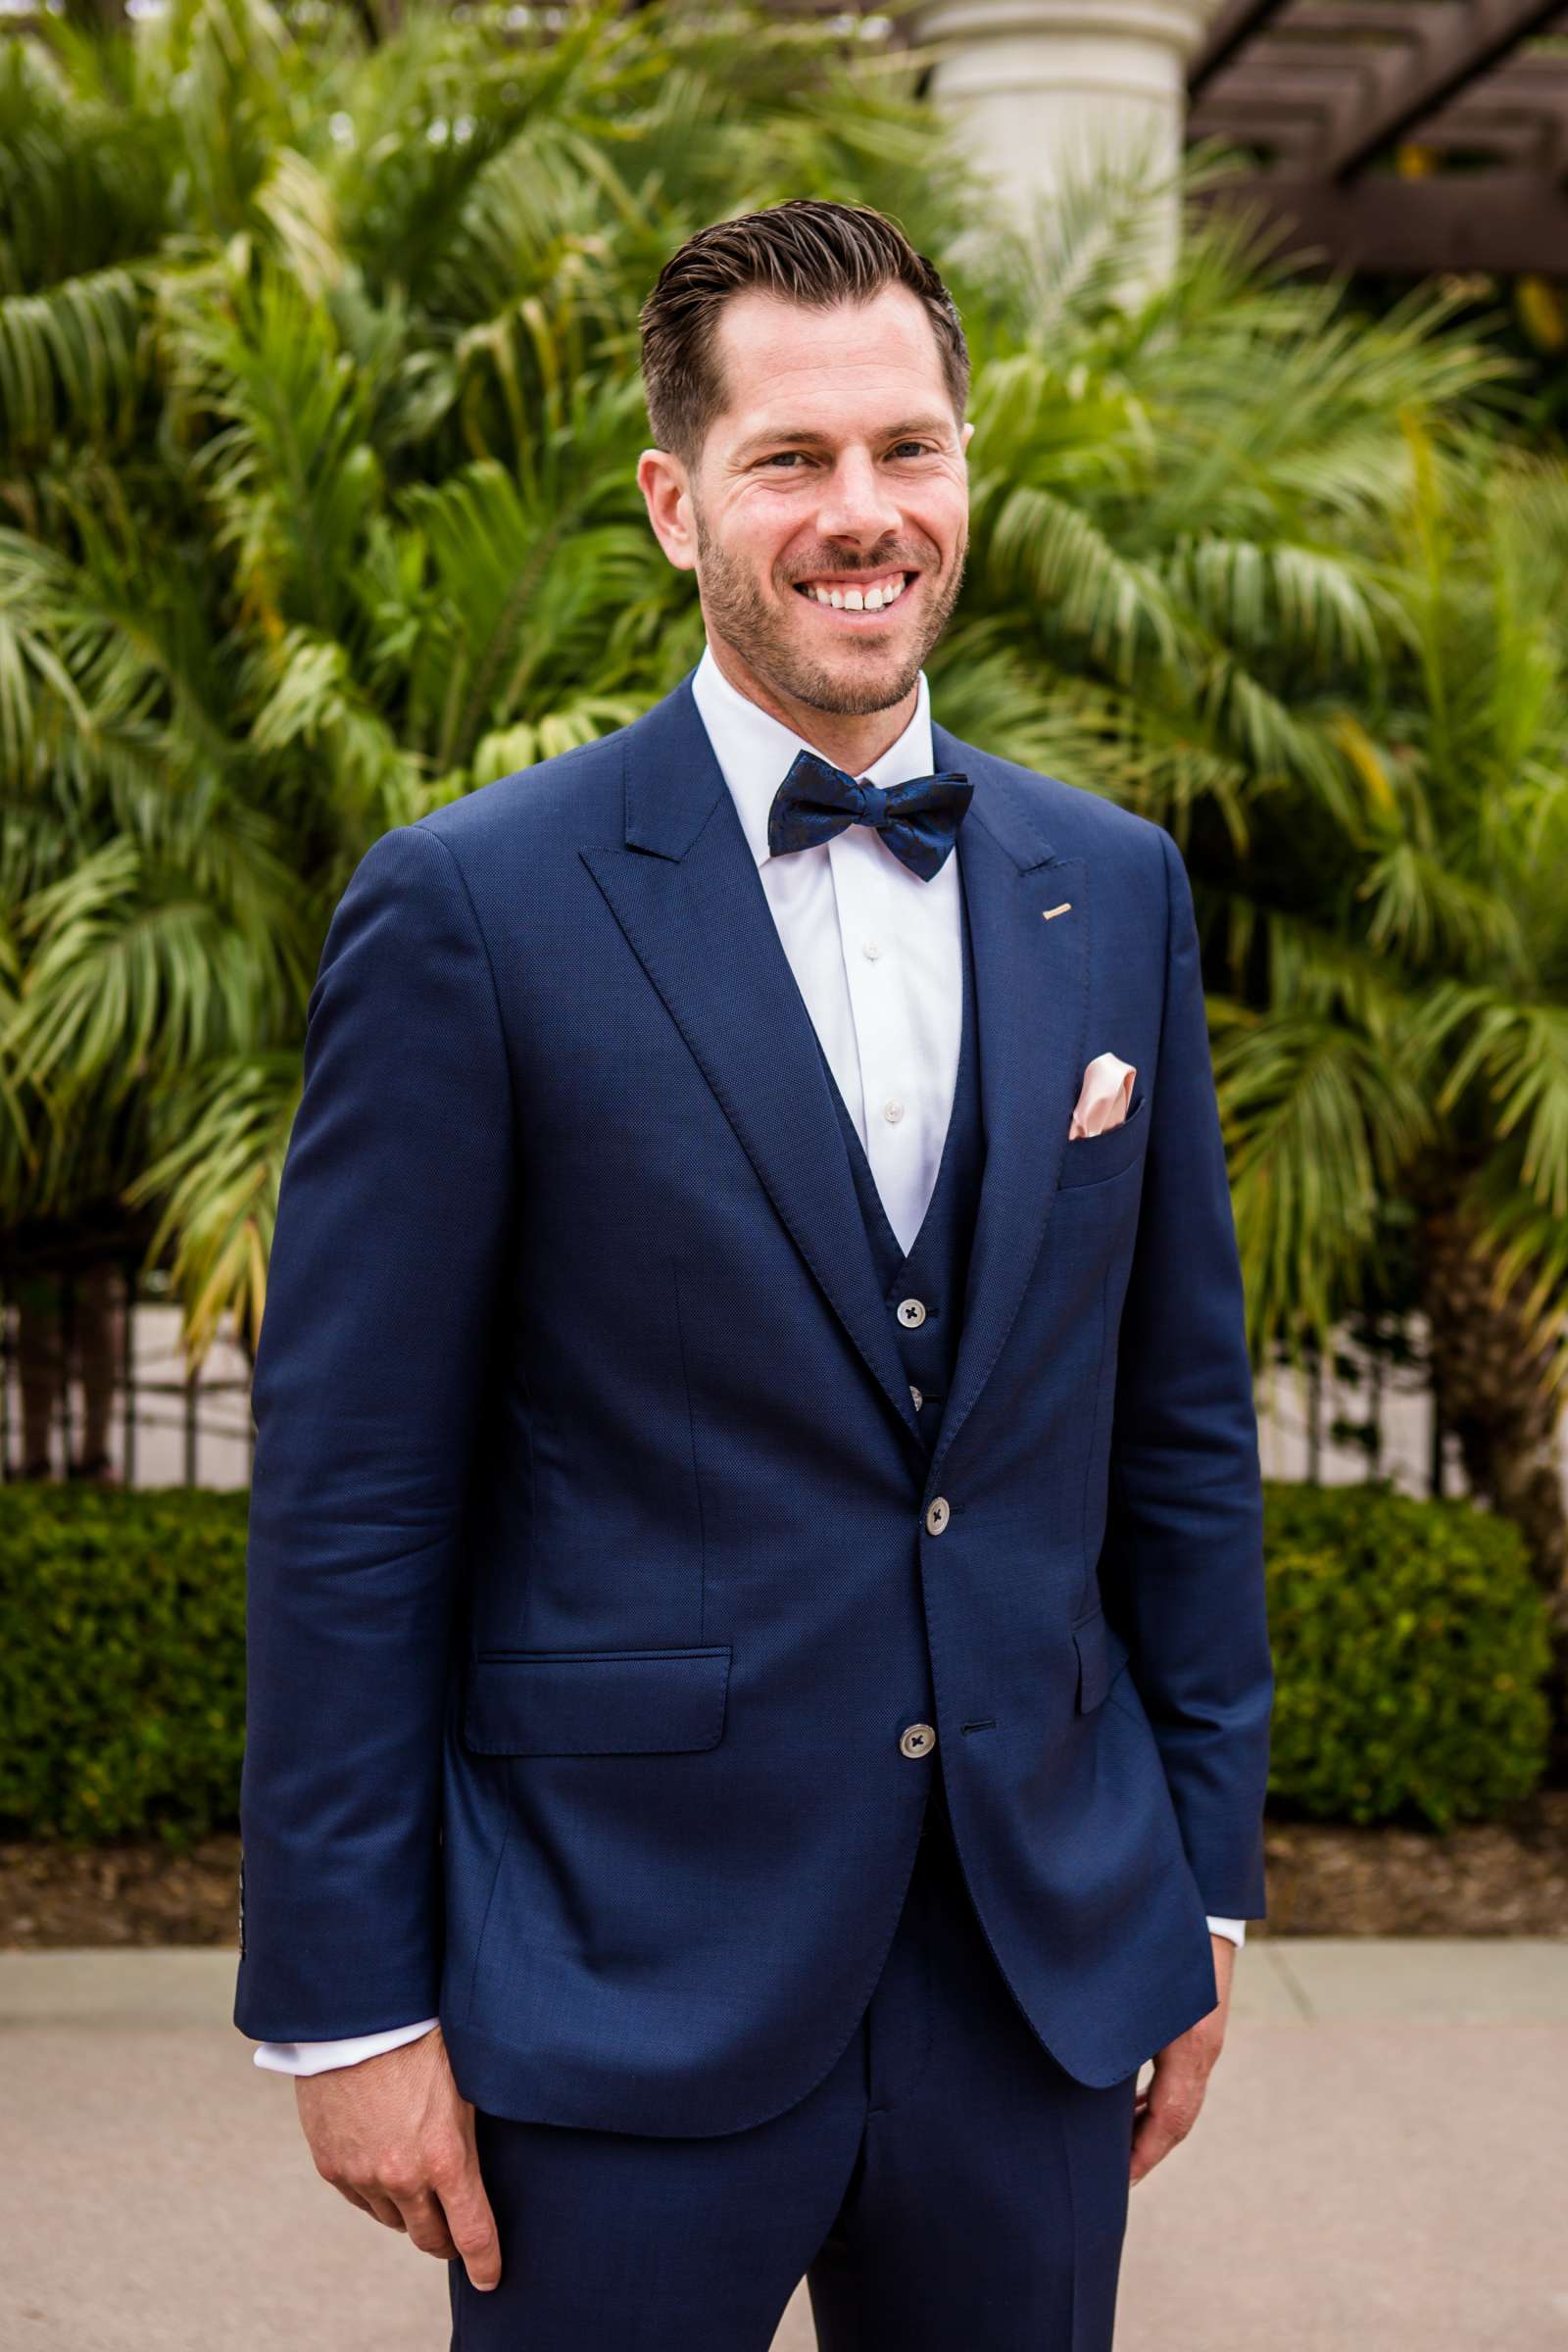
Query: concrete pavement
{"type": "Point", "coordinates": [1382, 2164]}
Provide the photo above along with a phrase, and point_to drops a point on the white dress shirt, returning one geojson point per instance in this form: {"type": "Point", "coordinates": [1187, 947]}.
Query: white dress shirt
{"type": "Point", "coordinates": [879, 956]}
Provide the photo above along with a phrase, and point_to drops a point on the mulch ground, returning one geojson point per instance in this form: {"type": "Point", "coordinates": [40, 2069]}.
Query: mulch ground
{"type": "Point", "coordinates": [1488, 1879]}
{"type": "Point", "coordinates": [51, 1900]}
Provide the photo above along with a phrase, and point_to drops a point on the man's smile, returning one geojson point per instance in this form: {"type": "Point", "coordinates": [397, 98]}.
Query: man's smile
{"type": "Point", "coordinates": [859, 600]}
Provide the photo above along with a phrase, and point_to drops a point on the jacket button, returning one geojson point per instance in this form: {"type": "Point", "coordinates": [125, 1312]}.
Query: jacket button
{"type": "Point", "coordinates": [937, 1515]}
{"type": "Point", "coordinates": [918, 1394]}
{"type": "Point", "coordinates": [911, 1313]}
{"type": "Point", "coordinates": [918, 1741]}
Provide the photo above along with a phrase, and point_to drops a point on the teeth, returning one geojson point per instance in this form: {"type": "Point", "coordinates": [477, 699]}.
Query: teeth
{"type": "Point", "coordinates": [853, 600]}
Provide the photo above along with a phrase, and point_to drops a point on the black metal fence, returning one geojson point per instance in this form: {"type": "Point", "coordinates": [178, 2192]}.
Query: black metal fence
{"type": "Point", "coordinates": [94, 1384]}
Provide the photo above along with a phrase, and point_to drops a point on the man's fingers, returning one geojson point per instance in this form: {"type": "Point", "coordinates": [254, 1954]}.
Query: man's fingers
{"type": "Point", "coordinates": [430, 2226]}
{"type": "Point", "coordinates": [473, 2228]}
{"type": "Point", "coordinates": [1150, 2143]}
{"type": "Point", "coordinates": [354, 2197]}
{"type": "Point", "coordinates": [460, 2187]}
{"type": "Point", "coordinates": [426, 2226]}
{"type": "Point", "coordinates": [395, 2137]}
{"type": "Point", "coordinates": [1168, 2111]}
{"type": "Point", "coordinates": [378, 2203]}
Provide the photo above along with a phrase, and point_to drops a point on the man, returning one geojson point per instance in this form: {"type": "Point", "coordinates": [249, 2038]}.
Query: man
{"type": "Point", "coordinates": [757, 1615]}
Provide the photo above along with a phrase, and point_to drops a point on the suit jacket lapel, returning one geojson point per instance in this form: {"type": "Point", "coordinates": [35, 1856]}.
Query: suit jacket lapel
{"type": "Point", "coordinates": [1031, 985]}
{"type": "Point", "coordinates": [686, 892]}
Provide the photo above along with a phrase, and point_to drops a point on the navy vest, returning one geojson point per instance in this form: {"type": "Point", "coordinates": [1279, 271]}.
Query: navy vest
{"type": "Point", "coordinates": [925, 1289]}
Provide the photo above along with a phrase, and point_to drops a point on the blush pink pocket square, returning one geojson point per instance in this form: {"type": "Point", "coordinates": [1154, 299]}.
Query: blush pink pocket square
{"type": "Point", "coordinates": [1103, 1097]}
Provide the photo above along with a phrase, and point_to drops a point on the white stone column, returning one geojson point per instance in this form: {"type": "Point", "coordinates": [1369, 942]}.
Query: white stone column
{"type": "Point", "coordinates": [1047, 90]}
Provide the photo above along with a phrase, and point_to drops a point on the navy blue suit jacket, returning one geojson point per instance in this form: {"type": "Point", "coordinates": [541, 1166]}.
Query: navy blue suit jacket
{"type": "Point", "coordinates": [590, 1580]}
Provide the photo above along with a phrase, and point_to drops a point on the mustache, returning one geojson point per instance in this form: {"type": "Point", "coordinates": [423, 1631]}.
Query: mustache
{"type": "Point", "coordinates": [857, 571]}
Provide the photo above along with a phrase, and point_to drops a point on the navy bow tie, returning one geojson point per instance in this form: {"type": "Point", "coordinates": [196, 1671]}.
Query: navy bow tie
{"type": "Point", "coordinates": [918, 821]}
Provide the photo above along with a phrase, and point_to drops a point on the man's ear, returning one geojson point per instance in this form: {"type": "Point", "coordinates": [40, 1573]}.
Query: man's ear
{"type": "Point", "coordinates": [661, 479]}
{"type": "Point", "coordinates": [967, 430]}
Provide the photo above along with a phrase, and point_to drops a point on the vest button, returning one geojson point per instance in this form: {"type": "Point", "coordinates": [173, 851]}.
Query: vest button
{"type": "Point", "coordinates": [918, 1740]}
{"type": "Point", "coordinates": [911, 1313]}
{"type": "Point", "coordinates": [938, 1515]}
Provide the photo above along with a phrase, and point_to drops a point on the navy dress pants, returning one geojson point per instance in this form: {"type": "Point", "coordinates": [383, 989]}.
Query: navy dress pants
{"type": "Point", "coordinates": [945, 2188]}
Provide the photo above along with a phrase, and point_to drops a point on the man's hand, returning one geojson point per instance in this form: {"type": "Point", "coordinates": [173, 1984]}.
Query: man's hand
{"type": "Point", "coordinates": [1167, 2109]}
{"type": "Point", "coordinates": [395, 2135]}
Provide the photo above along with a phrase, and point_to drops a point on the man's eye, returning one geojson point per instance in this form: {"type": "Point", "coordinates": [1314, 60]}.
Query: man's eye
{"type": "Point", "coordinates": [779, 456]}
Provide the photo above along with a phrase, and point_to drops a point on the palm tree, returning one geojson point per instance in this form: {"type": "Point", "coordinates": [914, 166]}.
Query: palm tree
{"type": "Point", "coordinates": [1465, 891]}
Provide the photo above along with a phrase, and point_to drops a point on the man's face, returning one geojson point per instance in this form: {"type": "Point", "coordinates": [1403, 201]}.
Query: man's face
{"type": "Point", "coordinates": [837, 465]}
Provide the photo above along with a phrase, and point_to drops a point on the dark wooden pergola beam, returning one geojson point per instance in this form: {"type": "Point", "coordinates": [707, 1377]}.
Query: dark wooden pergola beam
{"type": "Point", "coordinates": [1459, 41]}
{"type": "Point", "coordinates": [1233, 27]}
{"type": "Point", "coordinates": [1326, 93]}
{"type": "Point", "coordinates": [1352, 19]}
{"type": "Point", "coordinates": [1294, 137]}
{"type": "Point", "coordinates": [1528, 127]}
{"type": "Point", "coordinates": [1279, 65]}
{"type": "Point", "coordinates": [1515, 94]}
{"type": "Point", "coordinates": [1503, 222]}
{"type": "Point", "coordinates": [1277, 69]}
{"type": "Point", "coordinates": [1514, 140]}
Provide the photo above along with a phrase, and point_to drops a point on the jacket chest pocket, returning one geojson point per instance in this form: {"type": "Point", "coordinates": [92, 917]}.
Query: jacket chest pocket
{"type": "Point", "coordinates": [1092, 1158]}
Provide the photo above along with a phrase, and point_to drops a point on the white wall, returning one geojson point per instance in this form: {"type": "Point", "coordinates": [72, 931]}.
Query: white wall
{"type": "Point", "coordinates": [223, 1413]}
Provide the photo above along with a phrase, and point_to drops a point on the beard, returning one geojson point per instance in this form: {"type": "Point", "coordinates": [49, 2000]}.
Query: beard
{"type": "Point", "coordinates": [736, 609]}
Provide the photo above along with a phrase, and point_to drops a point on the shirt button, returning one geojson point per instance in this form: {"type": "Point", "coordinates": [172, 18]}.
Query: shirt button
{"type": "Point", "coordinates": [893, 1111]}
{"type": "Point", "coordinates": [911, 1313]}
{"type": "Point", "coordinates": [938, 1514]}
{"type": "Point", "coordinates": [871, 948]}
{"type": "Point", "coordinates": [918, 1740]}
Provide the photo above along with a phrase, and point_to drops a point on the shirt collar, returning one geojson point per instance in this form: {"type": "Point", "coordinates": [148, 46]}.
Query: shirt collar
{"type": "Point", "coordinates": [754, 749]}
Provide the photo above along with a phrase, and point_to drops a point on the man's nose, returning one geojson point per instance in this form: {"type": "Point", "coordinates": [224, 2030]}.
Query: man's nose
{"type": "Point", "coordinates": [856, 502]}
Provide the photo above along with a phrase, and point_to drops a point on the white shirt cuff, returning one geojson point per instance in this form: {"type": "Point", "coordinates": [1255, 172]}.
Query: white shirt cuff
{"type": "Point", "coordinates": [1234, 1928]}
{"type": "Point", "coordinates": [318, 2057]}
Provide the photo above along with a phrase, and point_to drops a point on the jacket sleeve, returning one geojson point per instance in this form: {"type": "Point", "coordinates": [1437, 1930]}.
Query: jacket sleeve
{"type": "Point", "coordinates": [1181, 1565]}
{"type": "Point", "coordinates": [387, 1266]}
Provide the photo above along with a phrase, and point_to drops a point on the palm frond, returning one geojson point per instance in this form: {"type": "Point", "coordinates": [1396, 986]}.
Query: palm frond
{"type": "Point", "coordinates": [1516, 1054]}
{"type": "Point", "coordinates": [132, 972]}
{"type": "Point", "coordinates": [68, 361]}
{"type": "Point", "coordinates": [217, 1166]}
{"type": "Point", "coordinates": [1318, 1126]}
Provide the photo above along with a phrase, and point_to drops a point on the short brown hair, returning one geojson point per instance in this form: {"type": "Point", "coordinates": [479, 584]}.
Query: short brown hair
{"type": "Point", "coordinates": [809, 251]}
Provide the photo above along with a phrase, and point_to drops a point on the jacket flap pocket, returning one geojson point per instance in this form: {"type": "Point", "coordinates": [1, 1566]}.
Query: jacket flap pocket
{"type": "Point", "coordinates": [1090, 1158]}
{"type": "Point", "coordinates": [595, 1702]}
{"type": "Point", "coordinates": [1102, 1655]}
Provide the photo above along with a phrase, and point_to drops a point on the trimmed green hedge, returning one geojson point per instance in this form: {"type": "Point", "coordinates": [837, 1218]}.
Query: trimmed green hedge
{"type": "Point", "coordinates": [121, 1660]}
{"type": "Point", "coordinates": [1409, 1644]}
{"type": "Point", "coordinates": [1410, 1650]}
